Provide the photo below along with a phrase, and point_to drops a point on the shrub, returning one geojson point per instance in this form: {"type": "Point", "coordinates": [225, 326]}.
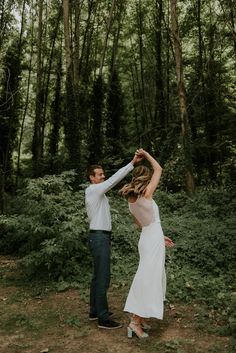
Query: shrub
{"type": "Point", "coordinates": [49, 228]}
{"type": "Point", "coordinates": [202, 228]}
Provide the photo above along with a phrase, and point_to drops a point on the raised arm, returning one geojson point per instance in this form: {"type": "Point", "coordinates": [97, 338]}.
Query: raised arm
{"type": "Point", "coordinates": [157, 171]}
{"type": "Point", "coordinates": [108, 184]}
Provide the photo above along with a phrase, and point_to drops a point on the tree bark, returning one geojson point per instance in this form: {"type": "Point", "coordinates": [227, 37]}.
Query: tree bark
{"type": "Point", "coordinates": [26, 103]}
{"type": "Point", "coordinates": [142, 85]}
{"type": "Point", "coordinates": [182, 100]}
{"type": "Point", "coordinates": [160, 113]}
{"type": "Point", "coordinates": [230, 19]}
{"type": "Point", "coordinates": [37, 147]}
{"type": "Point", "coordinates": [72, 132]}
{"type": "Point", "coordinates": [109, 24]}
{"type": "Point", "coordinates": [68, 54]}
{"type": "Point", "coordinates": [77, 46]}
{"type": "Point", "coordinates": [56, 120]}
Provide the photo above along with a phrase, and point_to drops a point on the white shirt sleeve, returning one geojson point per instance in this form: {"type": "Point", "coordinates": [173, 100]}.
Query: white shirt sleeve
{"type": "Point", "coordinates": [108, 184]}
{"type": "Point", "coordinates": [97, 204]}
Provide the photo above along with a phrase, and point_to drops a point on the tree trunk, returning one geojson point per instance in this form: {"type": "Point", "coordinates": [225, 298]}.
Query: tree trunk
{"type": "Point", "coordinates": [68, 54]}
{"type": "Point", "coordinates": [72, 132]}
{"type": "Point", "coordinates": [26, 103]}
{"type": "Point", "coordinates": [142, 86]}
{"type": "Point", "coordinates": [182, 100]}
{"type": "Point", "coordinates": [109, 24]}
{"type": "Point", "coordinates": [230, 19]}
{"type": "Point", "coordinates": [114, 100]}
{"type": "Point", "coordinates": [48, 71]}
{"type": "Point", "coordinates": [160, 114]}
{"type": "Point", "coordinates": [86, 44]}
{"type": "Point", "coordinates": [10, 98]}
{"type": "Point", "coordinates": [56, 121]}
{"type": "Point", "coordinates": [211, 106]}
{"type": "Point", "coordinates": [3, 21]}
{"type": "Point", "coordinates": [77, 46]}
{"type": "Point", "coordinates": [95, 137]}
{"type": "Point", "coordinates": [85, 67]}
{"type": "Point", "coordinates": [121, 6]}
{"type": "Point", "coordinates": [37, 147]}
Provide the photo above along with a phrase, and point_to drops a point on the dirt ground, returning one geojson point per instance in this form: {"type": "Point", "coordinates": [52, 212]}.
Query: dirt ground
{"type": "Point", "coordinates": [57, 322]}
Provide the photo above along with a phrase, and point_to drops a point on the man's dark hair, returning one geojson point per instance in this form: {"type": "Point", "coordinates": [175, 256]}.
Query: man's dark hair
{"type": "Point", "coordinates": [91, 170]}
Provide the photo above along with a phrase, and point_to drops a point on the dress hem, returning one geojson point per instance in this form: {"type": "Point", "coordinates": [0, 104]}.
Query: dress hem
{"type": "Point", "coordinates": [159, 317]}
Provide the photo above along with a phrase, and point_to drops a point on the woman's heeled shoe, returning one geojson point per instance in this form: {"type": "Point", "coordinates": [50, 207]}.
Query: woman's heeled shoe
{"type": "Point", "coordinates": [131, 330]}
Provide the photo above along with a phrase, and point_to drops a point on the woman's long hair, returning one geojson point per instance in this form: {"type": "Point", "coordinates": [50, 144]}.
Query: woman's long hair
{"type": "Point", "coordinates": [141, 178]}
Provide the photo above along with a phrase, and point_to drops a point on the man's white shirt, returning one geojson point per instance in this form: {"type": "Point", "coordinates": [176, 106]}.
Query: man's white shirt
{"type": "Point", "coordinates": [96, 202]}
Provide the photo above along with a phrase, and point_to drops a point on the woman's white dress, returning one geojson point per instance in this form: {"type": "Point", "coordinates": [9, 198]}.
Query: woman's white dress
{"type": "Point", "coordinates": [147, 292]}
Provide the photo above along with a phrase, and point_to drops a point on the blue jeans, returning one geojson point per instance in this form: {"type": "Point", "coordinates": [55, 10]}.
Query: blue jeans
{"type": "Point", "coordinates": [99, 245]}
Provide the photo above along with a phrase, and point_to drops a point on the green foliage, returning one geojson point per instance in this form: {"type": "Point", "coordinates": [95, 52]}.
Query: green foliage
{"type": "Point", "coordinates": [88, 117]}
{"type": "Point", "coordinates": [71, 125]}
{"type": "Point", "coordinates": [95, 135]}
{"type": "Point", "coordinates": [48, 229]}
{"type": "Point", "coordinates": [202, 228]}
{"type": "Point", "coordinates": [201, 265]}
{"type": "Point", "coordinates": [114, 116]}
{"type": "Point", "coordinates": [10, 102]}
{"type": "Point", "coordinates": [173, 178]}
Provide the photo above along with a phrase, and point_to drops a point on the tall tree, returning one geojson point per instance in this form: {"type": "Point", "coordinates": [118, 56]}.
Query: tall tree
{"type": "Point", "coordinates": [140, 19]}
{"type": "Point", "coordinates": [9, 116]}
{"type": "Point", "coordinates": [37, 143]}
{"type": "Point", "coordinates": [160, 113]}
{"type": "Point", "coordinates": [10, 103]}
{"type": "Point", "coordinates": [72, 133]}
{"type": "Point", "coordinates": [27, 94]}
{"type": "Point", "coordinates": [6, 17]}
{"type": "Point", "coordinates": [186, 135]}
{"type": "Point", "coordinates": [114, 102]}
{"type": "Point", "coordinates": [114, 116]}
{"type": "Point", "coordinates": [108, 30]}
{"type": "Point", "coordinates": [228, 8]}
{"type": "Point", "coordinates": [56, 120]}
{"type": "Point", "coordinates": [95, 140]}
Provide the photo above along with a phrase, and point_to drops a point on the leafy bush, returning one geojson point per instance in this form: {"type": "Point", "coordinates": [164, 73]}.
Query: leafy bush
{"type": "Point", "coordinates": [201, 265]}
{"type": "Point", "coordinates": [124, 239]}
{"type": "Point", "coordinates": [48, 229]}
{"type": "Point", "coordinates": [203, 229]}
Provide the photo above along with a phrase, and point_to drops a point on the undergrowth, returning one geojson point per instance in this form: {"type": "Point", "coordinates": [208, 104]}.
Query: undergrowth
{"type": "Point", "coordinates": [47, 230]}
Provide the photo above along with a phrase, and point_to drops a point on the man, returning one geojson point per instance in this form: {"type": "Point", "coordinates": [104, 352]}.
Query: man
{"type": "Point", "coordinates": [98, 211]}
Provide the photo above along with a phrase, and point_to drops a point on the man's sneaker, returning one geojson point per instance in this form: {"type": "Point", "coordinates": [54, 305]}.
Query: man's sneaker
{"type": "Point", "coordinates": [93, 317]}
{"type": "Point", "coordinates": [109, 324]}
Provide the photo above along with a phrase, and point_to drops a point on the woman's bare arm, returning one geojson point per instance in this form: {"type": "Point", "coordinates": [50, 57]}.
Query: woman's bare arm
{"type": "Point", "coordinates": [157, 171]}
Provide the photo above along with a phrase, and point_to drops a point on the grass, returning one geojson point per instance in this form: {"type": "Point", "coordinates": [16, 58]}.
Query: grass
{"type": "Point", "coordinates": [35, 316]}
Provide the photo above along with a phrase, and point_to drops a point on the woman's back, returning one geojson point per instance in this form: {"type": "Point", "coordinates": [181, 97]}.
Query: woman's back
{"type": "Point", "coordinates": [143, 210]}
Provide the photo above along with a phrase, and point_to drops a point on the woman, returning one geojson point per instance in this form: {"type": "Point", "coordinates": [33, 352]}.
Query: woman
{"type": "Point", "coordinates": [147, 292]}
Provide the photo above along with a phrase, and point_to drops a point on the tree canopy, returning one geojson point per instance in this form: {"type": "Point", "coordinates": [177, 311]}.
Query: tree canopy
{"type": "Point", "coordinates": [90, 81]}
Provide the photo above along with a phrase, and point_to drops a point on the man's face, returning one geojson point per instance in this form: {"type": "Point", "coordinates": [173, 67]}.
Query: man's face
{"type": "Point", "coordinates": [99, 176]}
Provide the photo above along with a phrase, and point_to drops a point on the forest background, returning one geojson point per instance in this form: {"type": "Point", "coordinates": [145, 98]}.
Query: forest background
{"type": "Point", "coordinates": [86, 82]}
